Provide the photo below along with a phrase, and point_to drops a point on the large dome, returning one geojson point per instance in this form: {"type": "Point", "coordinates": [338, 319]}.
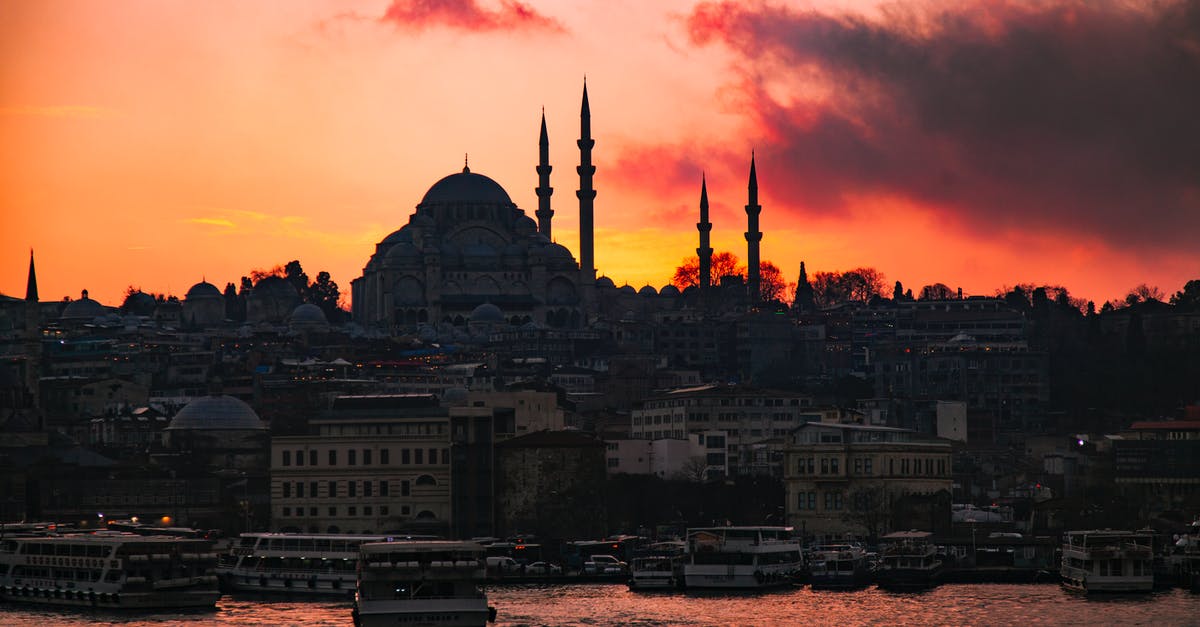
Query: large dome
{"type": "Point", "coordinates": [466, 187]}
{"type": "Point", "coordinates": [224, 413]}
{"type": "Point", "coordinates": [202, 289]}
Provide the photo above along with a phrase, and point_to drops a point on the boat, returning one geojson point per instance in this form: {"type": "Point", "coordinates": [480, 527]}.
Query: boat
{"type": "Point", "coordinates": [422, 582]}
{"type": "Point", "coordinates": [658, 566]}
{"type": "Point", "coordinates": [908, 561]}
{"type": "Point", "coordinates": [317, 565]}
{"type": "Point", "coordinates": [1183, 563]}
{"type": "Point", "coordinates": [839, 567]}
{"type": "Point", "coordinates": [108, 570]}
{"type": "Point", "coordinates": [1107, 560]}
{"type": "Point", "coordinates": [741, 557]}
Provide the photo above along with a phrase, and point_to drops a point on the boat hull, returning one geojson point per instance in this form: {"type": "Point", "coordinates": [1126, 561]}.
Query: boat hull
{"type": "Point", "coordinates": [422, 613]}
{"type": "Point", "coordinates": [172, 599]}
{"type": "Point", "coordinates": [908, 579]}
{"type": "Point", "coordinates": [701, 576]}
{"type": "Point", "coordinates": [1096, 585]}
{"type": "Point", "coordinates": [292, 584]}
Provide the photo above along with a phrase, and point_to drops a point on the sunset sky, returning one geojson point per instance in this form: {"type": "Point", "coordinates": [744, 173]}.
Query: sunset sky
{"type": "Point", "coordinates": [157, 143]}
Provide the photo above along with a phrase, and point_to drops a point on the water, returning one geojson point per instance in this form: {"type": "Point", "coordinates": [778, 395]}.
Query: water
{"type": "Point", "coordinates": [603, 605]}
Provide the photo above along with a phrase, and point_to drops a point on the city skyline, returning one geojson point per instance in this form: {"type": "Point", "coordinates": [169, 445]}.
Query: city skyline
{"type": "Point", "coordinates": [154, 146]}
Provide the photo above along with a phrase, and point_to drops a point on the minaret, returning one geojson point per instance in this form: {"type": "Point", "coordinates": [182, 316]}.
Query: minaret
{"type": "Point", "coordinates": [753, 236]}
{"type": "Point", "coordinates": [544, 212]}
{"type": "Point", "coordinates": [704, 252]}
{"type": "Point", "coordinates": [31, 294]}
{"type": "Point", "coordinates": [586, 194]}
{"type": "Point", "coordinates": [32, 337]}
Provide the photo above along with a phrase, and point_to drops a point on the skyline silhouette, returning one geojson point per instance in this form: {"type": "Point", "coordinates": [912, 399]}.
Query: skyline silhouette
{"type": "Point", "coordinates": [157, 146]}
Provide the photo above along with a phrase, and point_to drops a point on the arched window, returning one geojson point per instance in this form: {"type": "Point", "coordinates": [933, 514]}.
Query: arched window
{"type": "Point", "coordinates": [426, 480]}
{"type": "Point", "coordinates": [426, 515]}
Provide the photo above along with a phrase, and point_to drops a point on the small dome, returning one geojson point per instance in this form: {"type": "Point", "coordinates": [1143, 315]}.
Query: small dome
{"type": "Point", "coordinates": [648, 290]}
{"type": "Point", "coordinates": [525, 225]}
{"type": "Point", "coordinates": [627, 289]}
{"type": "Point", "coordinates": [466, 187]}
{"type": "Point", "coordinates": [139, 303]}
{"type": "Point", "coordinates": [209, 413]}
{"type": "Point", "coordinates": [397, 236]}
{"type": "Point", "coordinates": [202, 289]}
{"type": "Point", "coordinates": [668, 290]}
{"type": "Point", "coordinates": [605, 282]}
{"type": "Point", "coordinates": [308, 313]}
{"type": "Point", "coordinates": [487, 312]}
{"type": "Point", "coordinates": [83, 309]}
{"type": "Point", "coordinates": [403, 251]}
{"type": "Point", "coordinates": [558, 251]}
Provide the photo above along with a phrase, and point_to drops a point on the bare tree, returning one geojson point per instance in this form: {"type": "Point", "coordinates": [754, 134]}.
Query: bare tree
{"type": "Point", "coordinates": [695, 469]}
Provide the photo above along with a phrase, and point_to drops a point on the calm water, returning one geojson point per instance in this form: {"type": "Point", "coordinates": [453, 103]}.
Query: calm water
{"type": "Point", "coordinates": [603, 605]}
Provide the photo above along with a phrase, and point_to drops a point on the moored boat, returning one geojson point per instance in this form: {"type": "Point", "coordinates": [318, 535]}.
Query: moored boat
{"type": "Point", "coordinates": [422, 582]}
{"type": "Point", "coordinates": [908, 561]}
{"type": "Point", "coordinates": [293, 564]}
{"type": "Point", "coordinates": [741, 557]}
{"type": "Point", "coordinates": [839, 567]}
{"type": "Point", "coordinates": [1106, 560]}
{"type": "Point", "coordinates": [108, 570]}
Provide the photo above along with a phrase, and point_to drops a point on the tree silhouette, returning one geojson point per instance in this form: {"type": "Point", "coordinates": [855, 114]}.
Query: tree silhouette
{"type": "Point", "coordinates": [857, 285]}
{"type": "Point", "coordinates": [937, 291]}
{"type": "Point", "coordinates": [772, 285]}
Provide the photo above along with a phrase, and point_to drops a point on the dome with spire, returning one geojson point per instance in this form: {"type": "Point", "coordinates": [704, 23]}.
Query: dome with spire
{"type": "Point", "coordinates": [202, 289]}
{"type": "Point", "coordinates": [82, 309]}
{"type": "Point", "coordinates": [466, 187]}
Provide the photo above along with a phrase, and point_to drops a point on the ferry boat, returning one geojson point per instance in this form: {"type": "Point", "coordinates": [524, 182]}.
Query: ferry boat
{"type": "Point", "coordinates": [422, 582]}
{"type": "Point", "coordinates": [108, 570]}
{"type": "Point", "coordinates": [658, 567]}
{"type": "Point", "coordinates": [741, 557]}
{"type": "Point", "coordinates": [839, 567]}
{"type": "Point", "coordinates": [1108, 561]}
{"type": "Point", "coordinates": [295, 564]}
{"type": "Point", "coordinates": [908, 561]}
{"type": "Point", "coordinates": [1183, 563]}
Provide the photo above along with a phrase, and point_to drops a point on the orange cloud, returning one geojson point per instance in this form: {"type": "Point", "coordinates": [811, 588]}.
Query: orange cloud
{"type": "Point", "coordinates": [467, 15]}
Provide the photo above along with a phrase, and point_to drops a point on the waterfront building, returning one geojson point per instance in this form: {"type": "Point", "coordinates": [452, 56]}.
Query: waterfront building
{"type": "Point", "coordinates": [754, 421]}
{"type": "Point", "coordinates": [372, 464]}
{"type": "Point", "coordinates": [1156, 465]}
{"type": "Point", "coordinates": [844, 479]}
{"type": "Point", "coordinates": [550, 484]}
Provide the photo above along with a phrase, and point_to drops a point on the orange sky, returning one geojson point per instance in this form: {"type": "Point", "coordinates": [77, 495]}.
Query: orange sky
{"type": "Point", "coordinates": [154, 144]}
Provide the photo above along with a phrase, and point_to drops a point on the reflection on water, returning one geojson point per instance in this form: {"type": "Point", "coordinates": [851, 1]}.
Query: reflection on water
{"type": "Point", "coordinates": [610, 605]}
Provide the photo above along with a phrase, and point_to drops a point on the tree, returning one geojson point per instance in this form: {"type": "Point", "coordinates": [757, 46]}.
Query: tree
{"type": "Point", "coordinates": [695, 469]}
{"type": "Point", "coordinates": [723, 264]}
{"type": "Point", "coordinates": [296, 276]}
{"type": "Point", "coordinates": [1143, 293]}
{"type": "Point", "coordinates": [1189, 297]}
{"type": "Point", "coordinates": [937, 291]}
{"type": "Point", "coordinates": [859, 284]}
{"type": "Point", "coordinates": [772, 285]}
{"type": "Point", "coordinates": [324, 294]}
{"type": "Point", "coordinates": [870, 508]}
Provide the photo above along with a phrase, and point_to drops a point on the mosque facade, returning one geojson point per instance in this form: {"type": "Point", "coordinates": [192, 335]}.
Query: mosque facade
{"type": "Point", "coordinates": [468, 254]}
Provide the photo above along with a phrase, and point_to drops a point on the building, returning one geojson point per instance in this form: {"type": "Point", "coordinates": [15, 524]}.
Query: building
{"type": "Point", "coordinates": [1157, 465]}
{"type": "Point", "coordinates": [753, 421]}
{"type": "Point", "coordinates": [550, 484]}
{"type": "Point", "coordinates": [372, 464]}
{"type": "Point", "coordinates": [849, 478]}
